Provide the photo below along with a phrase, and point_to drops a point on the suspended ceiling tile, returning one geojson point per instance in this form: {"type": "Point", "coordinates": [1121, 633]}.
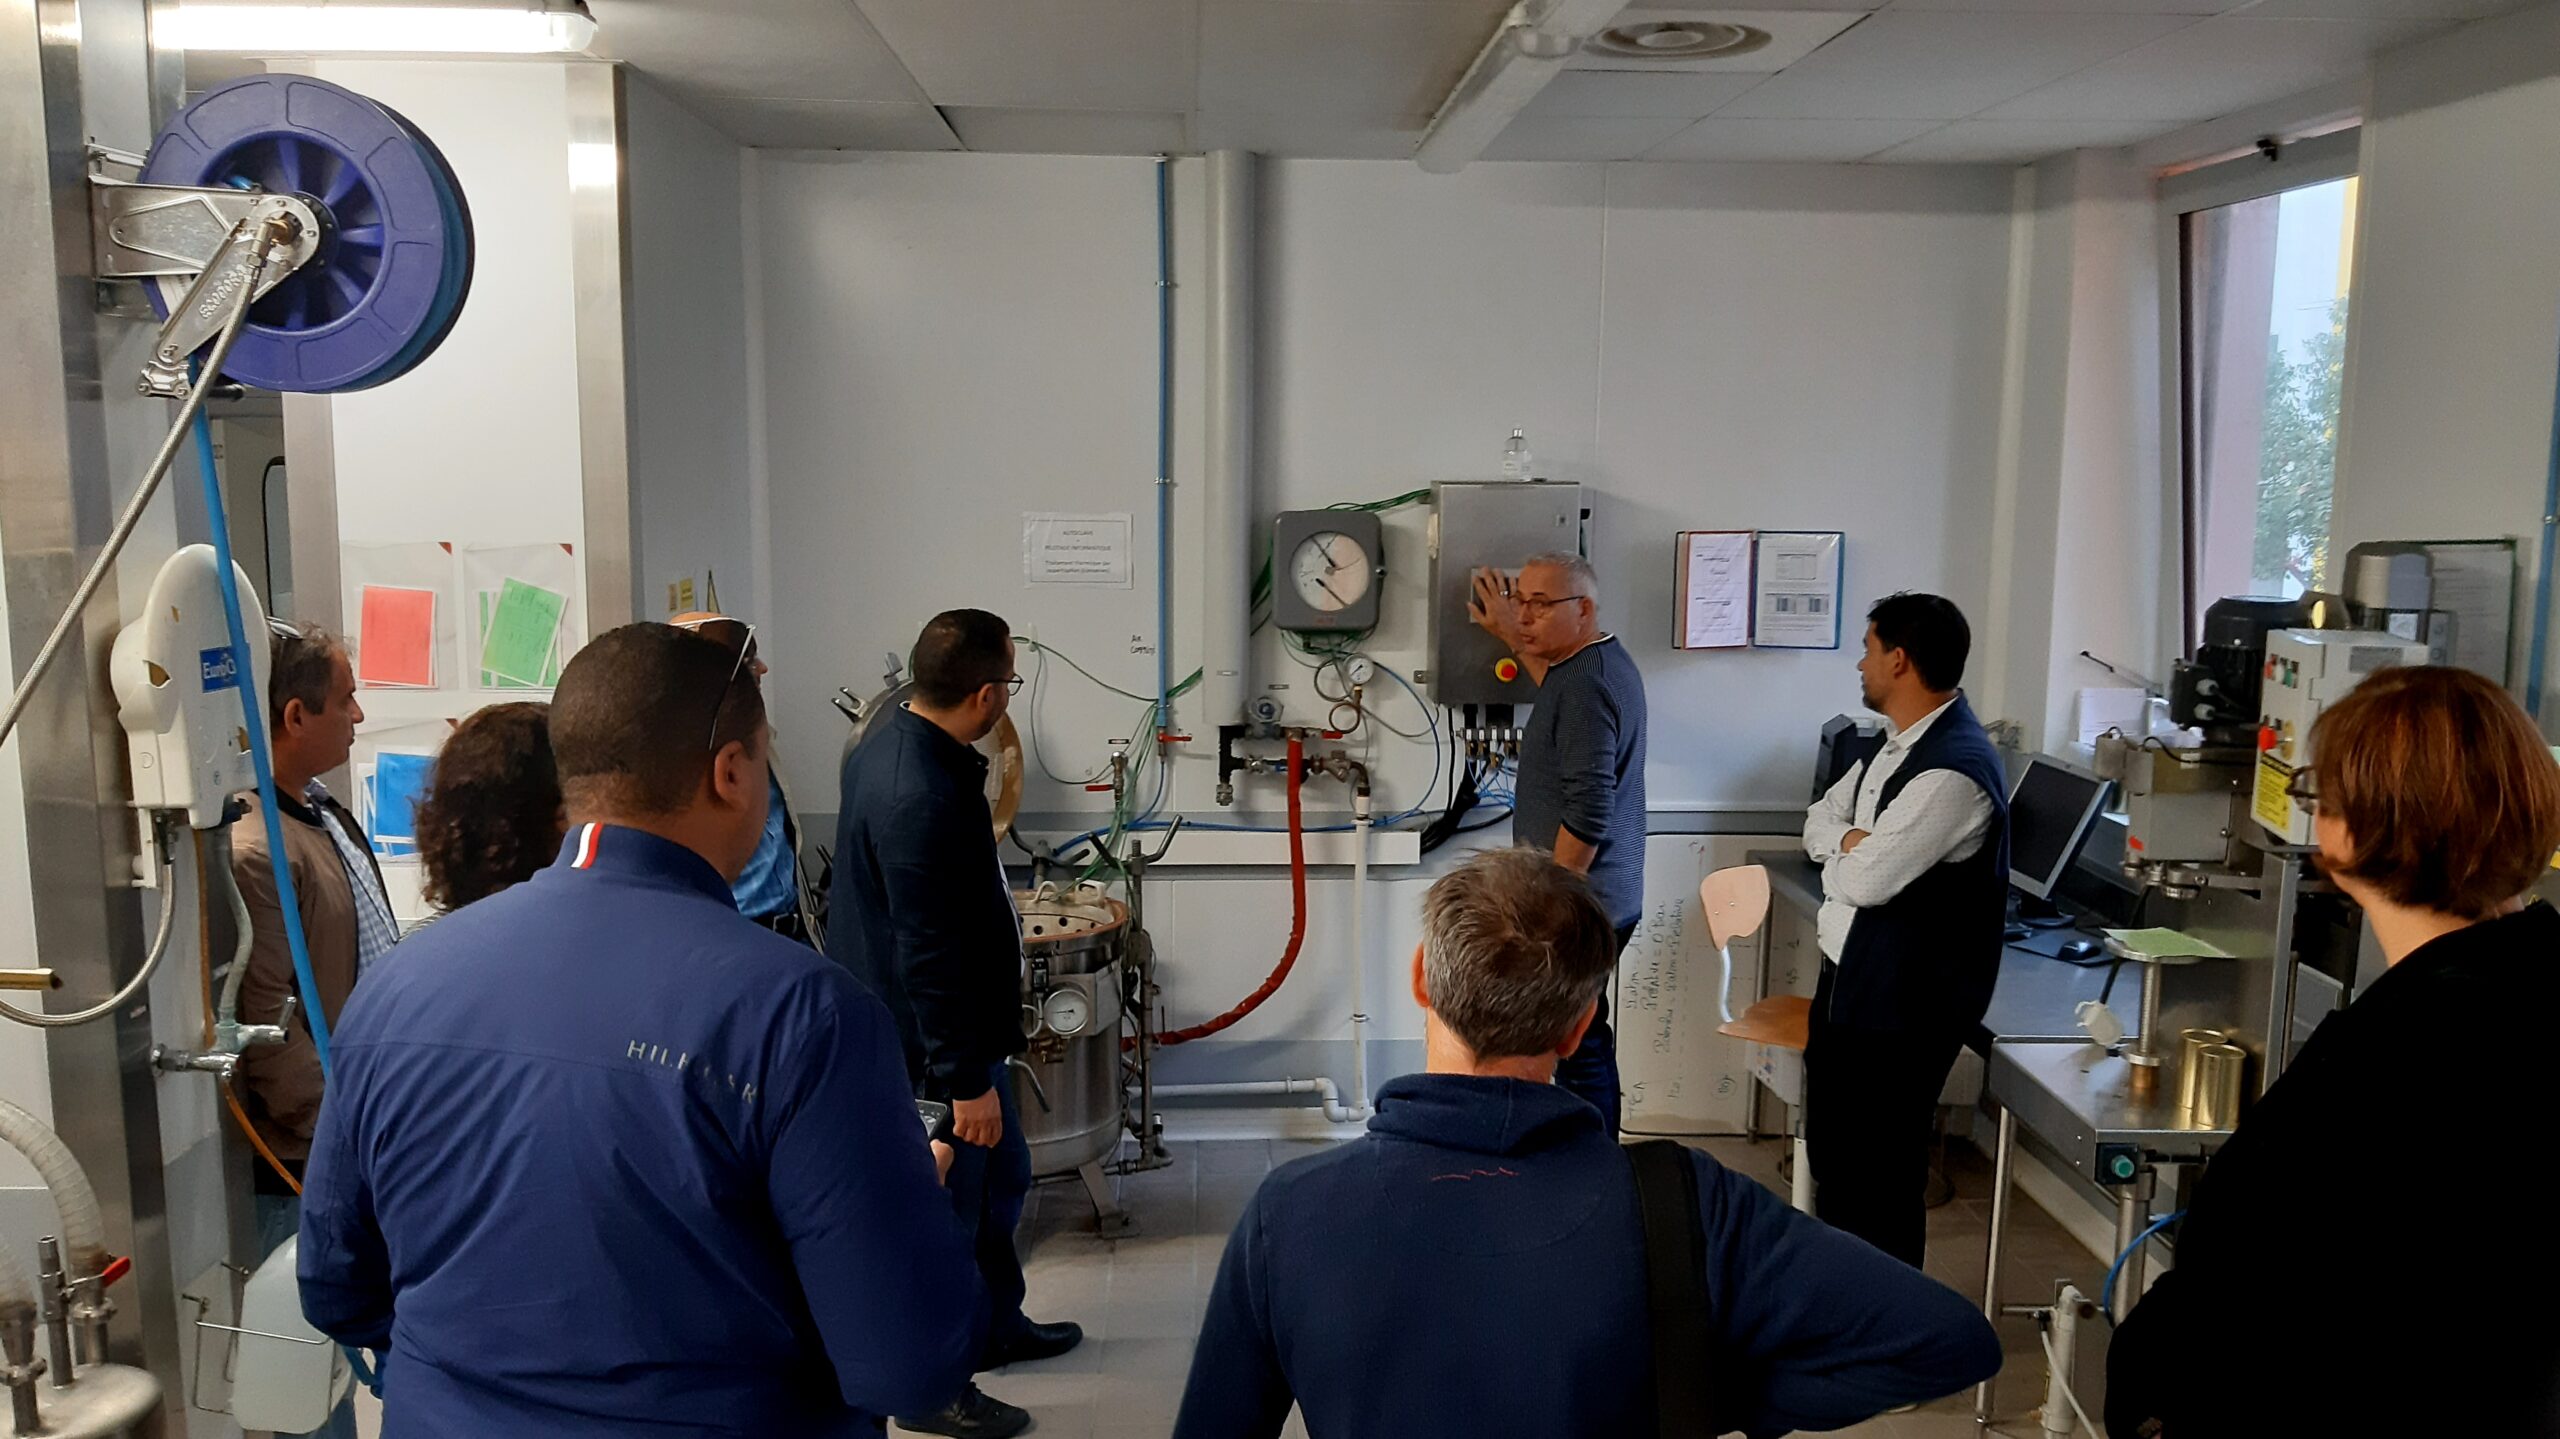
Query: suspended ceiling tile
{"type": "Point", "coordinates": [787, 49]}
{"type": "Point", "coordinates": [1548, 137]}
{"type": "Point", "coordinates": [1311, 137]}
{"type": "Point", "coordinates": [1124, 55]}
{"type": "Point", "coordinates": [1346, 60]}
{"type": "Point", "coordinates": [1068, 132]}
{"type": "Point", "coordinates": [828, 124]}
{"type": "Point", "coordinates": [1924, 66]}
{"type": "Point", "coordinates": [1633, 94]}
{"type": "Point", "coordinates": [2224, 64]}
{"type": "Point", "coordinates": [2014, 142]}
{"type": "Point", "coordinates": [1717, 138]}
{"type": "Point", "coordinates": [2385, 9]}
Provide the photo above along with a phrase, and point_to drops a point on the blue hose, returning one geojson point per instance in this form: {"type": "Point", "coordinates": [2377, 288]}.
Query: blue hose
{"type": "Point", "coordinates": [2107, 1292]}
{"type": "Point", "coordinates": [255, 720]}
{"type": "Point", "coordinates": [1164, 450]}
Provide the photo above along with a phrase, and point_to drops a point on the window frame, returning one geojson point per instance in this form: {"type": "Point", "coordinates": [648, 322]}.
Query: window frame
{"type": "Point", "coordinates": [2297, 165]}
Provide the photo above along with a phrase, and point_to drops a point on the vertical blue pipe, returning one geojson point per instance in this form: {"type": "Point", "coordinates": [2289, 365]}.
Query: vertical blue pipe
{"type": "Point", "coordinates": [1164, 445]}
{"type": "Point", "coordinates": [2550, 552]}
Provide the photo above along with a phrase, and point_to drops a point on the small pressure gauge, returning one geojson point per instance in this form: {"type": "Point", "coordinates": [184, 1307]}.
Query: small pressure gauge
{"type": "Point", "coordinates": [1359, 670]}
{"type": "Point", "coordinates": [1068, 1012]}
{"type": "Point", "coordinates": [1328, 564]}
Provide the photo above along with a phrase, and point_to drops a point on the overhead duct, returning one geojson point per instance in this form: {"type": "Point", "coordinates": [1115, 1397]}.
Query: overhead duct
{"type": "Point", "coordinates": [1525, 52]}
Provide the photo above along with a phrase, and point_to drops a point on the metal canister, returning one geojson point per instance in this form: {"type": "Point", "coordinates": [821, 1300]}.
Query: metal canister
{"type": "Point", "coordinates": [2221, 1068]}
{"type": "Point", "coordinates": [2190, 1041]}
{"type": "Point", "coordinates": [1068, 1085]}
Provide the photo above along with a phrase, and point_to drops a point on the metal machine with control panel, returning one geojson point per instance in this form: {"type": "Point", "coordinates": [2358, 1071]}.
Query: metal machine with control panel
{"type": "Point", "coordinates": [2306, 672]}
{"type": "Point", "coordinates": [1497, 524]}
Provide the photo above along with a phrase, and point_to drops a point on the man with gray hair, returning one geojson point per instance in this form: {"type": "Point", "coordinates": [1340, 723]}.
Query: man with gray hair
{"type": "Point", "coordinates": [1476, 1263]}
{"type": "Point", "coordinates": [1580, 792]}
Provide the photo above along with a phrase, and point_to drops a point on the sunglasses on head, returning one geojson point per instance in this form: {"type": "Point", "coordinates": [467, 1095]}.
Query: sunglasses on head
{"type": "Point", "coordinates": [731, 634]}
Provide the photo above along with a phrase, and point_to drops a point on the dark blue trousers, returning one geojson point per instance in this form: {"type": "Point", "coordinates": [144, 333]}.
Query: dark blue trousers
{"type": "Point", "coordinates": [988, 1187]}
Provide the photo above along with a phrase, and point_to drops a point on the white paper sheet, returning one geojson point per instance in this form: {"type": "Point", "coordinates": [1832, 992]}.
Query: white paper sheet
{"type": "Point", "coordinates": [1798, 588]}
{"type": "Point", "coordinates": [1715, 600]}
{"type": "Point", "coordinates": [1061, 549]}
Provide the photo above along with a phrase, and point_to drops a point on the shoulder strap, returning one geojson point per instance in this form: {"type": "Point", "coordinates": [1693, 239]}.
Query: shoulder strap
{"type": "Point", "coordinates": [1675, 1286]}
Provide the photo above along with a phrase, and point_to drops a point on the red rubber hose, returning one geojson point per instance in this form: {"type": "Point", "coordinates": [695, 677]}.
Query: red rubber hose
{"type": "Point", "coordinates": [1297, 921]}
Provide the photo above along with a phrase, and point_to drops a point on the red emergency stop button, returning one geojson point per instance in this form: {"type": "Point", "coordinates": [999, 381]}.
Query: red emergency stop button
{"type": "Point", "coordinates": [1506, 669]}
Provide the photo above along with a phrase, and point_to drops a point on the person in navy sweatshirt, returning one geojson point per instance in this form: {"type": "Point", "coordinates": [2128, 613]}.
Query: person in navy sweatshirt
{"type": "Point", "coordinates": [1475, 1265]}
{"type": "Point", "coordinates": [601, 1155]}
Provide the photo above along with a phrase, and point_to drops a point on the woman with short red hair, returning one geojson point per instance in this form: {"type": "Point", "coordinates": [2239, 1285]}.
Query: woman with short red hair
{"type": "Point", "coordinates": [2368, 1254]}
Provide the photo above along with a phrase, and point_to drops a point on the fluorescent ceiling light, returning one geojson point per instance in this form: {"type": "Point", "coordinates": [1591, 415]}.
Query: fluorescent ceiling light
{"type": "Point", "coordinates": [493, 27]}
{"type": "Point", "coordinates": [1527, 49]}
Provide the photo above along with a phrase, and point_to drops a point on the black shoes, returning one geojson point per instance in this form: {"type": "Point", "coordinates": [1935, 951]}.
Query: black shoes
{"type": "Point", "coordinates": [1033, 1344]}
{"type": "Point", "coordinates": [972, 1416]}
{"type": "Point", "coordinates": [975, 1415]}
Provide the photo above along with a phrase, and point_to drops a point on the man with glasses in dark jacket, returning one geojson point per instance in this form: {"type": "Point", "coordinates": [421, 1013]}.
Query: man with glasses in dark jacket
{"type": "Point", "coordinates": [920, 910]}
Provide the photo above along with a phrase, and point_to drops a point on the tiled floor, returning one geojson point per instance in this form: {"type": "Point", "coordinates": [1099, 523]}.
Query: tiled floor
{"type": "Point", "coordinates": [1140, 1298]}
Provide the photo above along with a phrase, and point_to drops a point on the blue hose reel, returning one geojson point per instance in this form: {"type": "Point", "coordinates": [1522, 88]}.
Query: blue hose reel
{"type": "Point", "coordinates": [394, 262]}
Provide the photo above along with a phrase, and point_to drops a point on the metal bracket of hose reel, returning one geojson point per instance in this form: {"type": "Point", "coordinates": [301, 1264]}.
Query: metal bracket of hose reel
{"type": "Point", "coordinates": [143, 231]}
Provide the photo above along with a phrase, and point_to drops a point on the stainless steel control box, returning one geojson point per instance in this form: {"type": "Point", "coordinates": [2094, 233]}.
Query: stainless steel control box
{"type": "Point", "coordinates": [1497, 523]}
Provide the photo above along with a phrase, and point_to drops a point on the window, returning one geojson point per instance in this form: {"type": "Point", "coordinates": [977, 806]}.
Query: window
{"type": "Point", "coordinates": [2263, 312]}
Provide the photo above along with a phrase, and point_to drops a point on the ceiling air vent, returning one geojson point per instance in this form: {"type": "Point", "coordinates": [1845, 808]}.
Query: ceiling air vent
{"type": "Point", "coordinates": [1677, 40]}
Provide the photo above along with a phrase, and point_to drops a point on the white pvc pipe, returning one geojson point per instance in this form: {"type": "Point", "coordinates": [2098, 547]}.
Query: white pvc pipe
{"type": "Point", "coordinates": [1334, 1108]}
{"type": "Point", "coordinates": [1360, 964]}
{"type": "Point", "coordinates": [84, 1228]}
{"type": "Point", "coordinates": [1226, 653]}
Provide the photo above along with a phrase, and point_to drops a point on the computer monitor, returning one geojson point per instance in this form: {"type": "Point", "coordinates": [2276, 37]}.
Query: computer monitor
{"type": "Point", "coordinates": [2050, 810]}
{"type": "Point", "coordinates": [1846, 744]}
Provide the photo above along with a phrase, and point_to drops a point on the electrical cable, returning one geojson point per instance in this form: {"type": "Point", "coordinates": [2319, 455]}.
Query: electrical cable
{"type": "Point", "coordinates": [168, 871]}
{"type": "Point", "coordinates": [2053, 1363]}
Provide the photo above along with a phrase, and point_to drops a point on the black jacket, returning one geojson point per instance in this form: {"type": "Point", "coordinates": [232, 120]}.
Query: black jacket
{"type": "Point", "coordinates": [920, 909]}
{"type": "Point", "coordinates": [2369, 1253]}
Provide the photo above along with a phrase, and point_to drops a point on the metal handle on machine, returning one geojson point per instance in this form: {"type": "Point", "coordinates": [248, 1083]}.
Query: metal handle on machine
{"type": "Point", "coordinates": [1037, 1092]}
{"type": "Point", "coordinates": [30, 979]}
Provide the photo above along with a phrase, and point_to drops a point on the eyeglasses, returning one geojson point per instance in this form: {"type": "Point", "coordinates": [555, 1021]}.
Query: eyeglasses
{"type": "Point", "coordinates": [1013, 685]}
{"type": "Point", "coordinates": [2302, 791]}
{"type": "Point", "coordinates": [726, 632]}
{"type": "Point", "coordinates": [1530, 605]}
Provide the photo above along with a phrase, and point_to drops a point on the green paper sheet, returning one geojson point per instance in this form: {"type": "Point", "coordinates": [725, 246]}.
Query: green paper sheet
{"type": "Point", "coordinates": [522, 629]}
{"type": "Point", "coordinates": [2166, 944]}
{"type": "Point", "coordinates": [489, 679]}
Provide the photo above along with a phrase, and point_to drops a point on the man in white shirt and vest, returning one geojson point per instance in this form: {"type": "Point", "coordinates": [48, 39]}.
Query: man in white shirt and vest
{"type": "Point", "coordinates": [1914, 849]}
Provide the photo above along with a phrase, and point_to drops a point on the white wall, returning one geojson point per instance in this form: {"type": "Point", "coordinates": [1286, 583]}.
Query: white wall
{"type": "Point", "coordinates": [949, 341]}
{"type": "Point", "coordinates": [689, 483]}
{"type": "Point", "coordinates": [2080, 550]}
{"type": "Point", "coordinates": [2455, 328]}
{"type": "Point", "coordinates": [480, 444]}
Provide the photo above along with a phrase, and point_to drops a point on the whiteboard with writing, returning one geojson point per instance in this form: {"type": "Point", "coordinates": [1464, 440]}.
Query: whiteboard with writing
{"type": "Point", "coordinates": [1679, 1075]}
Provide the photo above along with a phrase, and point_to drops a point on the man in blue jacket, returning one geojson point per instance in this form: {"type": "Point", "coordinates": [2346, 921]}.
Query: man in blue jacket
{"type": "Point", "coordinates": [1475, 1265]}
{"type": "Point", "coordinates": [601, 1155]}
{"type": "Point", "coordinates": [921, 912]}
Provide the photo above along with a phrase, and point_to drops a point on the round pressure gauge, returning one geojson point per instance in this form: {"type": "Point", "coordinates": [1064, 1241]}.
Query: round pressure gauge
{"type": "Point", "coordinates": [1068, 1012]}
{"type": "Point", "coordinates": [1332, 571]}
